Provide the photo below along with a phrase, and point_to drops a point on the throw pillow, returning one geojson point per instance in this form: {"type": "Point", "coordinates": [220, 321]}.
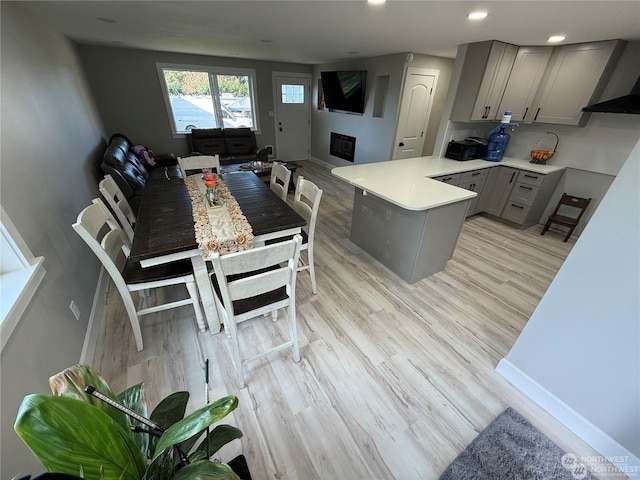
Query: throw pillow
{"type": "Point", "coordinates": [146, 156]}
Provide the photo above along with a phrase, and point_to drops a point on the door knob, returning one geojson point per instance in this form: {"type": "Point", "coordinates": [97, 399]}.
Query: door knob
{"type": "Point", "coordinates": [280, 128]}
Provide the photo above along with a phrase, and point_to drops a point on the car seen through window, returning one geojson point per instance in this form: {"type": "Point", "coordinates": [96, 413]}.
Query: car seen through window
{"type": "Point", "coordinates": [197, 112]}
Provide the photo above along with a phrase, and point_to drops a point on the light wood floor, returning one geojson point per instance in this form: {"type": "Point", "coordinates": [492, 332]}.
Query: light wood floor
{"type": "Point", "coordinates": [395, 379]}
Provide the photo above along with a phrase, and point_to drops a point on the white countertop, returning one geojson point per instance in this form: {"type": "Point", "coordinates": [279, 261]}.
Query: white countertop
{"type": "Point", "coordinates": [436, 166]}
{"type": "Point", "coordinates": [406, 183]}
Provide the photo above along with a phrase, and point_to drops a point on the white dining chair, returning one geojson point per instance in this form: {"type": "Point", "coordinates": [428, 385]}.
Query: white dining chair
{"type": "Point", "coordinates": [198, 162]}
{"type": "Point", "coordinates": [280, 178]}
{"type": "Point", "coordinates": [129, 277]}
{"type": "Point", "coordinates": [253, 283]}
{"type": "Point", "coordinates": [306, 202]}
{"type": "Point", "coordinates": [119, 205]}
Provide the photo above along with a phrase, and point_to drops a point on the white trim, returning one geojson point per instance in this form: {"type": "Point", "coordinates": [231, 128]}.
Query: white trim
{"type": "Point", "coordinates": [20, 281]}
{"type": "Point", "coordinates": [322, 163]}
{"type": "Point", "coordinates": [95, 317]}
{"type": "Point", "coordinates": [575, 422]}
{"type": "Point", "coordinates": [26, 282]}
{"type": "Point", "coordinates": [210, 70]}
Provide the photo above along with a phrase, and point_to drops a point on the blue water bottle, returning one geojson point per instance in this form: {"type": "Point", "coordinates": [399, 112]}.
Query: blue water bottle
{"type": "Point", "coordinates": [498, 140]}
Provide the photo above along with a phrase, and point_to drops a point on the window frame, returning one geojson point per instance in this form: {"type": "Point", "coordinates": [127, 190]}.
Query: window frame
{"type": "Point", "coordinates": [210, 70]}
{"type": "Point", "coordinates": [20, 284]}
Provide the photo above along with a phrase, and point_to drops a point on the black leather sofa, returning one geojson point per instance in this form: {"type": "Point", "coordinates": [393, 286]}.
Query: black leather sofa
{"type": "Point", "coordinates": [233, 145]}
{"type": "Point", "coordinates": [128, 170]}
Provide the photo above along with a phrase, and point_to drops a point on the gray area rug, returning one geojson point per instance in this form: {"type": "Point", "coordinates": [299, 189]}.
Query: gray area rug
{"type": "Point", "coordinates": [511, 448]}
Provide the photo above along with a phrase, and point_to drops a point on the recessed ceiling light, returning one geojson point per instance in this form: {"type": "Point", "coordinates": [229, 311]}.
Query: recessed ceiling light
{"type": "Point", "coordinates": [376, 1]}
{"type": "Point", "coordinates": [556, 38]}
{"type": "Point", "coordinates": [477, 15]}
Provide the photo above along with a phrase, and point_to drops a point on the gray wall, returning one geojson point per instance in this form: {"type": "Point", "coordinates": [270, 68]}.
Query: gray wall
{"type": "Point", "coordinates": [127, 91]}
{"type": "Point", "coordinates": [375, 135]}
{"type": "Point", "coordinates": [581, 344]}
{"type": "Point", "coordinates": [51, 140]}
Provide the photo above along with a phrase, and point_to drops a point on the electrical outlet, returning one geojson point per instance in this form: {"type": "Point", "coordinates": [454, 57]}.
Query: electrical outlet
{"type": "Point", "coordinates": [74, 308]}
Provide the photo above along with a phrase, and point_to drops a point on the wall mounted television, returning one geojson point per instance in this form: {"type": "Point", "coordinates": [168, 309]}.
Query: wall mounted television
{"type": "Point", "coordinates": [344, 90]}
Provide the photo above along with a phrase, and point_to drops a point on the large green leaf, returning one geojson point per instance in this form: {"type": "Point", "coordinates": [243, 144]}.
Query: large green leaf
{"type": "Point", "coordinates": [217, 438]}
{"type": "Point", "coordinates": [71, 383]}
{"type": "Point", "coordinates": [205, 470]}
{"type": "Point", "coordinates": [196, 423]}
{"type": "Point", "coordinates": [169, 411]}
{"type": "Point", "coordinates": [70, 436]}
{"type": "Point", "coordinates": [133, 398]}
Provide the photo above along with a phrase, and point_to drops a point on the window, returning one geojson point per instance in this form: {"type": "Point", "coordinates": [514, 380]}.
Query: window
{"type": "Point", "coordinates": [201, 97]}
{"type": "Point", "coordinates": [20, 275]}
{"type": "Point", "coordinates": [292, 93]}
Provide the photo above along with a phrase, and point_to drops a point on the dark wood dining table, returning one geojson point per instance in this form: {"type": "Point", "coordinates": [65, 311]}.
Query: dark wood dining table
{"type": "Point", "coordinates": [164, 230]}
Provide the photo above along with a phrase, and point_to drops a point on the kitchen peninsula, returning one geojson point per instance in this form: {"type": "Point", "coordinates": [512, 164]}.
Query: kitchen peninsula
{"type": "Point", "coordinates": [409, 221]}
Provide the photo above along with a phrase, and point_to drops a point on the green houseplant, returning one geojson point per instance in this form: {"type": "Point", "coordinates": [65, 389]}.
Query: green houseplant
{"type": "Point", "coordinates": [73, 432]}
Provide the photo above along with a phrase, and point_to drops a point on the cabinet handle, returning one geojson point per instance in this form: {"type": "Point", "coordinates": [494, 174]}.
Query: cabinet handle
{"type": "Point", "coordinates": [512, 175]}
{"type": "Point", "coordinates": [531, 176]}
{"type": "Point", "coordinates": [446, 179]}
{"type": "Point", "coordinates": [526, 110]}
{"type": "Point", "coordinates": [537, 112]}
{"type": "Point", "coordinates": [474, 174]}
{"type": "Point", "coordinates": [488, 111]}
{"type": "Point", "coordinates": [526, 188]}
{"type": "Point", "coordinates": [517, 206]}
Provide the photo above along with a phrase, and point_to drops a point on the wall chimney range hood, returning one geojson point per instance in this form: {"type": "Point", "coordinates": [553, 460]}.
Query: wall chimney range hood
{"type": "Point", "coordinates": [626, 104]}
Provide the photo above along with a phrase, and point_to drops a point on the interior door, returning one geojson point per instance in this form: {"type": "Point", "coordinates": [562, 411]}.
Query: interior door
{"type": "Point", "coordinates": [292, 117]}
{"type": "Point", "coordinates": [415, 108]}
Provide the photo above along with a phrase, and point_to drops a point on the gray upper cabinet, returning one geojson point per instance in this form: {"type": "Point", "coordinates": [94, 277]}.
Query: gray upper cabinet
{"type": "Point", "coordinates": [484, 76]}
{"type": "Point", "coordinates": [576, 77]}
{"type": "Point", "coordinates": [525, 78]}
{"type": "Point", "coordinates": [537, 84]}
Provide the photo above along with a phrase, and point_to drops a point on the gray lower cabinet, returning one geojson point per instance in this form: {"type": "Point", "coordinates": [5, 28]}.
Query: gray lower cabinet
{"type": "Point", "coordinates": [473, 180]}
{"type": "Point", "coordinates": [518, 196]}
{"type": "Point", "coordinates": [497, 189]}
{"type": "Point", "coordinates": [529, 196]}
{"type": "Point", "coordinates": [411, 243]}
{"type": "Point", "coordinates": [452, 179]}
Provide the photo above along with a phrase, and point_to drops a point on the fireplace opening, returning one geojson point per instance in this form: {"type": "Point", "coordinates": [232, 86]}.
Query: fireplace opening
{"type": "Point", "coordinates": [343, 146]}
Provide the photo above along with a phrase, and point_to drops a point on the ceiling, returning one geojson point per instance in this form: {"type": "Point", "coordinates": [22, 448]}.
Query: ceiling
{"type": "Point", "coordinates": [316, 32]}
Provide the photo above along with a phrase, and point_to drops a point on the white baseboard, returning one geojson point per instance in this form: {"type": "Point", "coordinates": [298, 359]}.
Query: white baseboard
{"type": "Point", "coordinates": [322, 163]}
{"type": "Point", "coordinates": [93, 327]}
{"type": "Point", "coordinates": [582, 427]}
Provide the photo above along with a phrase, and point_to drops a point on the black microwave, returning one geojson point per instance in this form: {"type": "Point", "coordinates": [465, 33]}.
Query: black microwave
{"type": "Point", "coordinates": [466, 149]}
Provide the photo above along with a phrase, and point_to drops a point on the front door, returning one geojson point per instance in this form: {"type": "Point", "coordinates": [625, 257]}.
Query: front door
{"type": "Point", "coordinates": [414, 113]}
{"type": "Point", "coordinates": [292, 98]}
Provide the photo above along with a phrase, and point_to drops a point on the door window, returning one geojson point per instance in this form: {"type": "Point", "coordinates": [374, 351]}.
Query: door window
{"type": "Point", "coordinates": [292, 93]}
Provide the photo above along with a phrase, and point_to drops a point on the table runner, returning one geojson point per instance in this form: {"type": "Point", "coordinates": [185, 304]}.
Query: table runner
{"type": "Point", "coordinates": [222, 229]}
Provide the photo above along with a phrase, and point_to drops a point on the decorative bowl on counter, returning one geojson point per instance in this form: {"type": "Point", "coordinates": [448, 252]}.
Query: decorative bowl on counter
{"type": "Point", "coordinates": [541, 156]}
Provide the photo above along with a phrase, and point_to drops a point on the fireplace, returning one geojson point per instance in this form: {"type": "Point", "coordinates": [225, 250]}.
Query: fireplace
{"type": "Point", "coordinates": [343, 146]}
